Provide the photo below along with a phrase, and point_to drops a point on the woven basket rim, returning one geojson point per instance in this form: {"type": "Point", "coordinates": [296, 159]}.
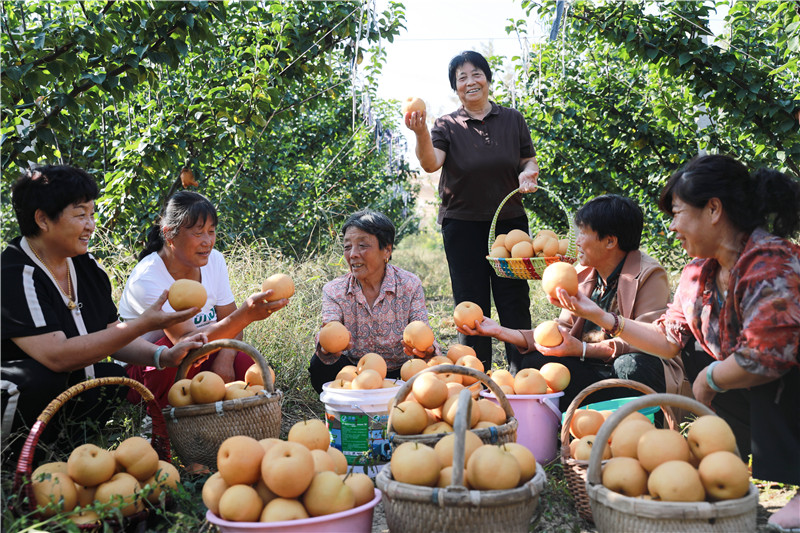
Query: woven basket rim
{"type": "Point", "coordinates": [511, 426]}
{"type": "Point", "coordinates": [233, 405]}
{"type": "Point", "coordinates": [511, 423]}
{"type": "Point", "coordinates": [451, 496]}
{"type": "Point", "coordinates": [662, 509]}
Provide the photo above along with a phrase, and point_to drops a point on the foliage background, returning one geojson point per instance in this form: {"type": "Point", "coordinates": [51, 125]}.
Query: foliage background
{"type": "Point", "coordinates": [273, 107]}
{"type": "Point", "coordinates": [256, 98]}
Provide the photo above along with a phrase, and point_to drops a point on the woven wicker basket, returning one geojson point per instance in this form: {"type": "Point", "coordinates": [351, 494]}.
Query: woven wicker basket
{"type": "Point", "coordinates": [575, 470]}
{"type": "Point", "coordinates": [530, 268]}
{"type": "Point", "coordinates": [492, 435]}
{"type": "Point", "coordinates": [22, 476]}
{"type": "Point", "coordinates": [197, 431]}
{"type": "Point", "coordinates": [412, 508]}
{"type": "Point", "coordinates": [614, 512]}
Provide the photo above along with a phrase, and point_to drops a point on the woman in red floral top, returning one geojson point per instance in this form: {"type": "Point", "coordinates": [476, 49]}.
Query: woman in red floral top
{"type": "Point", "coordinates": [735, 317]}
{"type": "Point", "coordinates": [375, 301]}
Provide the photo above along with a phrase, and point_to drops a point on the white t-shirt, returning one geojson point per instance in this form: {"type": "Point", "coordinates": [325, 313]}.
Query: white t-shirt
{"type": "Point", "coordinates": [150, 278]}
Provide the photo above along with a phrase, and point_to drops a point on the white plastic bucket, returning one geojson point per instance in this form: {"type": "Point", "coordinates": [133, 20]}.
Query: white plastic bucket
{"type": "Point", "coordinates": [539, 418]}
{"type": "Point", "coordinates": [357, 421]}
{"type": "Point", "coordinates": [356, 520]}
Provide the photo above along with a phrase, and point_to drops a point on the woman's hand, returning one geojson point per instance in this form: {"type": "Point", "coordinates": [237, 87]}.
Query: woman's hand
{"type": "Point", "coordinates": [413, 352]}
{"type": "Point", "coordinates": [156, 318]}
{"type": "Point", "coordinates": [528, 180]}
{"type": "Point", "coordinates": [258, 308]}
{"type": "Point", "coordinates": [580, 305]}
{"type": "Point", "coordinates": [415, 121]}
{"type": "Point", "coordinates": [569, 347]}
{"type": "Point", "coordinates": [700, 389]}
{"type": "Point", "coordinates": [173, 356]}
{"type": "Point", "coordinates": [528, 175]}
{"type": "Point", "coordinates": [337, 355]}
{"type": "Point", "coordinates": [486, 327]}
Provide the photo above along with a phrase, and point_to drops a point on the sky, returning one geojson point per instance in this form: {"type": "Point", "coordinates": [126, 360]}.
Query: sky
{"type": "Point", "coordinates": [437, 30]}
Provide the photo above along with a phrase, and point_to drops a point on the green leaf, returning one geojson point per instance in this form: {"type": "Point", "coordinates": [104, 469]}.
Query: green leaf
{"type": "Point", "coordinates": [181, 47]}
{"type": "Point", "coordinates": [97, 78]}
{"type": "Point", "coordinates": [38, 41]}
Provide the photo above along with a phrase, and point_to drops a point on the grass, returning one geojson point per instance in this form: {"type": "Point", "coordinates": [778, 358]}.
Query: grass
{"type": "Point", "coordinates": [287, 341]}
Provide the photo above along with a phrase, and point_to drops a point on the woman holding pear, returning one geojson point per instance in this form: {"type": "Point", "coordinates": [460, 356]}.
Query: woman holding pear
{"type": "Point", "coordinates": [59, 321]}
{"type": "Point", "coordinates": [485, 152]}
{"type": "Point", "coordinates": [735, 316]}
{"type": "Point", "coordinates": [375, 301]}
{"type": "Point", "coordinates": [181, 247]}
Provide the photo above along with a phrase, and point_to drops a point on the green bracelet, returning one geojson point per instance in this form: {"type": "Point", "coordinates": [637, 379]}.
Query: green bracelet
{"type": "Point", "coordinates": [710, 377]}
{"type": "Point", "coordinates": [157, 356]}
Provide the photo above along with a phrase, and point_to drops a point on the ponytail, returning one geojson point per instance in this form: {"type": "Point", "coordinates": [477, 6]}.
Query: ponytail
{"type": "Point", "coordinates": [154, 242]}
{"type": "Point", "coordinates": [776, 199]}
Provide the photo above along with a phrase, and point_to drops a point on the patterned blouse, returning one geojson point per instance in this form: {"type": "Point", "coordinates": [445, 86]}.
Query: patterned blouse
{"type": "Point", "coordinates": [380, 328]}
{"type": "Point", "coordinates": [759, 319]}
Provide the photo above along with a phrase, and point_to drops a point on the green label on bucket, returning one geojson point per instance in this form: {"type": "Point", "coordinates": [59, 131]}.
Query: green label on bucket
{"type": "Point", "coordinates": [360, 437]}
{"type": "Point", "coordinates": [355, 434]}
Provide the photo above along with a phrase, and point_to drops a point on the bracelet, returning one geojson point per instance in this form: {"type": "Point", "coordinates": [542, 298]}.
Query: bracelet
{"type": "Point", "coordinates": [710, 378]}
{"type": "Point", "coordinates": [157, 356]}
{"type": "Point", "coordinates": [583, 355]}
{"type": "Point", "coordinates": [615, 329]}
{"type": "Point", "coordinates": [621, 326]}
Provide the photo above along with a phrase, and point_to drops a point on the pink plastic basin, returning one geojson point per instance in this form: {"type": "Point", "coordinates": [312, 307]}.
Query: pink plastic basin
{"type": "Point", "coordinates": [356, 520]}
{"type": "Point", "coordinates": [539, 418]}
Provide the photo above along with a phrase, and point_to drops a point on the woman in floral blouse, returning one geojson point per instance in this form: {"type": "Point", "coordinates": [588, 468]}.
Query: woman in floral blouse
{"type": "Point", "coordinates": [735, 317]}
{"type": "Point", "coordinates": [375, 301]}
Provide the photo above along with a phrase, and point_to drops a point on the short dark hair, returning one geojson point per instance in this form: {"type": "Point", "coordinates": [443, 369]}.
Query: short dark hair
{"type": "Point", "coordinates": [184, 209]}
{"type": "Point", "coordinates": [616, 216]}
{"type": "Point", "coordinates": [50, 188]}
{"type": "Point", "coordinates": [750, 200]}
{"type": "Point", "coordinates": [374, 223]}
{"type": "Point", "coordinates": [468, 56]}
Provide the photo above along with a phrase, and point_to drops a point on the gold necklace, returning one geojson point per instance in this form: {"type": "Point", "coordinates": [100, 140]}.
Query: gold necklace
{"type": "Point", "coordinates": [71, 304]}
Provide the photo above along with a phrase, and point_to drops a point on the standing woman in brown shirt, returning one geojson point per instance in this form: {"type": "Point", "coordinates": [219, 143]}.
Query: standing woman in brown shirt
{"type": "Point", "coordinates": [485, 152]}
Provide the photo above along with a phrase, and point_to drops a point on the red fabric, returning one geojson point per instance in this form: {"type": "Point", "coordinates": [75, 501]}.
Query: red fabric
{"type": "Point", "coordinates": [160, 381]}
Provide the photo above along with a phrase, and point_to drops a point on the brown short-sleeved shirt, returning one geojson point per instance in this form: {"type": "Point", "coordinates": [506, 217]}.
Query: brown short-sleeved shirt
{"type": "Point", "coordinates": [482, 162]}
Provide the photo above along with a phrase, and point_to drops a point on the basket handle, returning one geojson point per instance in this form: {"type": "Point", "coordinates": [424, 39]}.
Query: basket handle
{"type": "Point", "coordinates": [460, 426]}
{"type": "Point", "coordinates": [453, 369]}
{"type": "Point", "coordinates": [24, 464]}
{"type": "Point", "coordinates": [649, 400]}
{"type": "Point", "coordinates": [550, 193]}
{"type": "Point", "coordinates": [609, 384]}
{"type": "Point", "coordinates": [218, 344]}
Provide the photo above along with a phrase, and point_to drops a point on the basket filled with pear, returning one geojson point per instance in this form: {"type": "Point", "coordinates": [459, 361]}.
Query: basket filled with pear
{"type": "Point", "coordinates": [461, 483]}
{"type": "Point", "coordinates": [426, 406]}
{"type": "Point", "coordinates": [520, 255]}
{"type": "Point", "coordinates": [579, 435]}
{"type": "Point", "coordinates": [672, 482]}
{"type": "Point", "coordinates": [97, 487]}
{"type": "Point", "coordinates": [204, 411]}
